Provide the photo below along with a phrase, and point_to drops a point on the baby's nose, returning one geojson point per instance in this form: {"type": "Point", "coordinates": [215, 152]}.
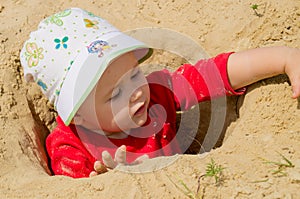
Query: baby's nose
{"type": "Point", "coordinates": [136, 95]}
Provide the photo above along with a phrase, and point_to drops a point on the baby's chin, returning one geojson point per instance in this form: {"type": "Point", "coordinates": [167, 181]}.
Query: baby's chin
{"type": "Point", "coordinates": [135, 125]}
{"type": "Point", "coordinates": [141, 123]}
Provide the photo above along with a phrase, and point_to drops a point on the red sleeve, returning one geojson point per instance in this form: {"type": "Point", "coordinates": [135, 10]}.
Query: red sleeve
{"type": "Point", "coordinates": [205, 80]}
{"type": "Point", "coordinates": [68, 156]}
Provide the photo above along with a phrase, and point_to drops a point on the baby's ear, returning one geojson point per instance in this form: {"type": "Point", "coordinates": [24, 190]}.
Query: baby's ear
{"type": "Point", "coordinates": [29, 78]}
{"type": "Point", "coordinates": [77, 119]}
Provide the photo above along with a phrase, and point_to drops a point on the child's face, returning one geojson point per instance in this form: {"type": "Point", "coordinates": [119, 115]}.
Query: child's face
{"type": "Point", "coordinates": [120, 100]}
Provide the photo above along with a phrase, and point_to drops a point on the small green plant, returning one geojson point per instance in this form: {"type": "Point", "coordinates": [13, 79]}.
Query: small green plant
{"type": "Point", "coordinates": [189, 192]}
{"type": "Point", "coordinates": [214, 170]}
{"type": "Point", "coordinates": [280, 167]}
{"type": "Point", "coordinates": [186, 190]}
{"type": "Point", "coordinates": [255, 8]}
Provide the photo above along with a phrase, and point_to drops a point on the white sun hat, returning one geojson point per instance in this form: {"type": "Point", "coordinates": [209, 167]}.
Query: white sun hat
{"type": "Point", "coordinates": [68, 54]}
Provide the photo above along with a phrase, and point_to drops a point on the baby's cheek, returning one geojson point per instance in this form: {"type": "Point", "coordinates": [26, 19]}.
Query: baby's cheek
{"type": "Point", "coordinates": [107, 126]}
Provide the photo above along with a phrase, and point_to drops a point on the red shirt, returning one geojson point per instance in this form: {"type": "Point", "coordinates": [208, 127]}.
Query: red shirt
{"type": "Point", "coordinates": [73, 150]}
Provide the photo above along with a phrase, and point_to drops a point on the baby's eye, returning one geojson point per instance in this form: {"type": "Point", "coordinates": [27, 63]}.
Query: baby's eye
{"type": "Point", "coordinates": [116, 92]}
{"type": "Point", "coordinates": [135, 73]}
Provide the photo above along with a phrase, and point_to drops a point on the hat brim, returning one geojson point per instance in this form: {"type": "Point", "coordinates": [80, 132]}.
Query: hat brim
{"type": "Point", "coordinates": [88, 68]}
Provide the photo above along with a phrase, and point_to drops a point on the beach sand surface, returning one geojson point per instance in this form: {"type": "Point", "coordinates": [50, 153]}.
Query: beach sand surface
{"type": "Point", "coordinates": [262, 127]}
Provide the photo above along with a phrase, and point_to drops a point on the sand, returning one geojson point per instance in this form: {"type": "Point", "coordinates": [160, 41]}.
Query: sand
{"type": "Point", "coordinates": [261, 126]}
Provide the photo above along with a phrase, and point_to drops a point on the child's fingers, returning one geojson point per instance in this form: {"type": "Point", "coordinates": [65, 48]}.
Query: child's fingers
{"type": "Point", "coordinates": [120, 155]}
{"type": "Point", "coordinates": [99, 167]}
{"type": "Point", "coordinates": [93, 173]}
{"type": "Point", "coordinates": [292, 69]}
{"type": "Point", "coordinates": [108, 160]}
{"type": "Point", "coordinates": [296, 87]}
{"type": "Point", "coordinates": [296, 92]}
{"type": "Point", "coordinates": [295, 82]}
{"type": "Point", "coordinates": [140, 159]}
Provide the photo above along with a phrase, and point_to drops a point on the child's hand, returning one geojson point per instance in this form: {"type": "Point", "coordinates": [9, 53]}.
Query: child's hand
{"type": "Point", "coordinates": [292, 69]}
{"type": "Point", "coordinates": [110, 163]}
{"type": "Point", "coordinates": [120, 158]}
{"type": "Point", "coordinates": [249, 66]}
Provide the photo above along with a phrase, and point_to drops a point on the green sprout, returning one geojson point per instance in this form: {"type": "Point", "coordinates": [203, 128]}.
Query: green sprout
{"type": "Point", "coordinates": [214, 170]}
{"type": "Point", "coordinates": [255, 8]}
{"type": "Point", "coordinates": [281, 167]}
{"type": "Point", "coordinates": [186, 190]}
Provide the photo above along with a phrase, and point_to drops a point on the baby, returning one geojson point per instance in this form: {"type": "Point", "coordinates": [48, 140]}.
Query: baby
{"type": "Point", "coordinates": [89, 70]}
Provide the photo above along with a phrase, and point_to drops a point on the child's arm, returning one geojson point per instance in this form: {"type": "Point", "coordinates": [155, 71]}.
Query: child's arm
{"type": "Point", "coordinates": [249, 66]}
{"type": "Point", "coordinates": [191, 84]}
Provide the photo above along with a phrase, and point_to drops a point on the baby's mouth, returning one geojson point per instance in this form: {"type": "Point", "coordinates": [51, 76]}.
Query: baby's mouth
{"type": "Point", "coordinates": [141, 109]}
